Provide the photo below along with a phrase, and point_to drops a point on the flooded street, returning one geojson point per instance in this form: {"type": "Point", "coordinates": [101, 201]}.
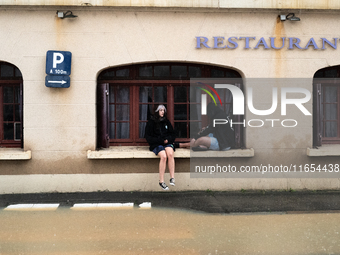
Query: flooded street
{"type": "Point", "coordinates": [164, 231]}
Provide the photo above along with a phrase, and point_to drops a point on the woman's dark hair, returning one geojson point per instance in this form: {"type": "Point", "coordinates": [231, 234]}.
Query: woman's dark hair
{"type": "Point", "coordinates": [156, 114]}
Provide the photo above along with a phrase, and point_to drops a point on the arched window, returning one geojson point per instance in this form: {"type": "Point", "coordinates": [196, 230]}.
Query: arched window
{"type": "Point", "coordinates": [127, 96]}
{"type": "Point", "coordinates": [326, 106]}
{"type": "Point", "coordinates": [11, 106]}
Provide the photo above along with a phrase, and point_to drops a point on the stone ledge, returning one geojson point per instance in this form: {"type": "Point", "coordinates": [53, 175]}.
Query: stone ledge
{"type": "Point", "coordinates": [14, 154]}
{"type": "Point", "coordinates": [143, 152]}
{"type": "Point", "coordinates": [115, 152]}
{"type": "Point", "coordinates": [324, 151]}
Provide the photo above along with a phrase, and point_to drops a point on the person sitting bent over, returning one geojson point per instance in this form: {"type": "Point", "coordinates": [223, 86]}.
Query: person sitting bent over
{"type": "Point", "coordinates": [160, 135]}
{"type": "Point", "coordinates": [221, 137]}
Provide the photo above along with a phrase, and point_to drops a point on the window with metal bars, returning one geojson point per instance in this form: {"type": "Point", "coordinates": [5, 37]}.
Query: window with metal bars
{"type": "Point", "coordinates": [326, 106]}
{"type": "Point", "coordinates": [127, 97]}
{"type": "Point", "coordinates": [11, 106]}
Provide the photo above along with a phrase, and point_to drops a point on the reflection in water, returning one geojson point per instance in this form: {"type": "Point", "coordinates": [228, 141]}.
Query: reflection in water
{"type": "Point", "coordinates": [163, 231]}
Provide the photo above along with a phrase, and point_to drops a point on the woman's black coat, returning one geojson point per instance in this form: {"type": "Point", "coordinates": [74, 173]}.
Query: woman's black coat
{"type": "Point", "coordinates": [159, 130]}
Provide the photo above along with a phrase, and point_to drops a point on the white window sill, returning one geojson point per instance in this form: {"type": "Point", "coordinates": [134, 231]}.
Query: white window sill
{"type": "Point", "coordinates": [325, 150]}
{"type": "Point", "coordinates": [122, 152]}
{"type": "Point", "coordinates": [14, 154]}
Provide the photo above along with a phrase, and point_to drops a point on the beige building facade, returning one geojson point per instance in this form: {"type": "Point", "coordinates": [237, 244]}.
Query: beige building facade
{"type": "Point", "coordinates": [60, 151]}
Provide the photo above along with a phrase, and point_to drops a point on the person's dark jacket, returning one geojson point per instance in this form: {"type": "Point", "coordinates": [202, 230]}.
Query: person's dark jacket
{"type": "Point", "coordinates": [157, 131]}
{"type": "Point", "coordinates": [222, 132]}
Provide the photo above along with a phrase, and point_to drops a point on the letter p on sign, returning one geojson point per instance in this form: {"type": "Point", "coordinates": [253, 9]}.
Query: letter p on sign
{"type": "Point", "coordinates": [58, 62]}
{"type": "Point", "coordinates": [58, 58]}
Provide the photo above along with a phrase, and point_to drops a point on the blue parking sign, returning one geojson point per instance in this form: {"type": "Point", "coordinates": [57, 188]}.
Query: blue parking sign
{"type": "Point", "coordinates": [58, 62]}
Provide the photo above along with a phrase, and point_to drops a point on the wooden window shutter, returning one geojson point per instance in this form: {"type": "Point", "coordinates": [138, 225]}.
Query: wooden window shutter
{"type": "Point", "coordinates": [239, 127]}
{"type": "Point", "coordinates": [21, 115]}
{"type": "Point", "coordinates": [317, 136]}
{"type": "Point", "coordinates": [103, 128]}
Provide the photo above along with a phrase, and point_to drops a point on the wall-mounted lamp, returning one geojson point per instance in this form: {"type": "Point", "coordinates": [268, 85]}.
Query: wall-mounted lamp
{"type": "Point", "coordinates": [67, 14]}
{"type": "Point", "coordinates": [290, 16]}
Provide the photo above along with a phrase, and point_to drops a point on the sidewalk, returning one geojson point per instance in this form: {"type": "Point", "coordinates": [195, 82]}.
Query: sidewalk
{"type": "Point", "coordinates": [201, 201]}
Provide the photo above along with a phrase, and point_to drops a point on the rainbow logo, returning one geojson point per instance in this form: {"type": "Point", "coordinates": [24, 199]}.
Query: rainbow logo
{"type": "Point", "coordinates": [213, 90]}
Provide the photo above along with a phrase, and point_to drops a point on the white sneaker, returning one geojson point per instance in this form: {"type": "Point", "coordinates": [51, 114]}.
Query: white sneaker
{"type": "Point", "coordinates": [163, 186]}
{"type": "Point", "coordinates": [172, 181]}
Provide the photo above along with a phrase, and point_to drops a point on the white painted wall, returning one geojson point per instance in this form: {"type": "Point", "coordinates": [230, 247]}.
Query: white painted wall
{"type": "Point", "coordinates": [60, 124]}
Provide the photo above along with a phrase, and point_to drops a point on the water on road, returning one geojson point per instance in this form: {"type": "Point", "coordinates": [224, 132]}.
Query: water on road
{"type": "Point", "coordinates": [164, 231]}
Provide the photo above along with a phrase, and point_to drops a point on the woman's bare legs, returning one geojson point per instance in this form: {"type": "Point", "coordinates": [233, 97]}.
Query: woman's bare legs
{"type": "Point", "coordinates": [204, 141]}
{"type": "Point", "coordinates": [162, 165]}
{"type": "Point", "coordinates": [184, 145]}
{"type": "Point", "coordinates": [171, 161]}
